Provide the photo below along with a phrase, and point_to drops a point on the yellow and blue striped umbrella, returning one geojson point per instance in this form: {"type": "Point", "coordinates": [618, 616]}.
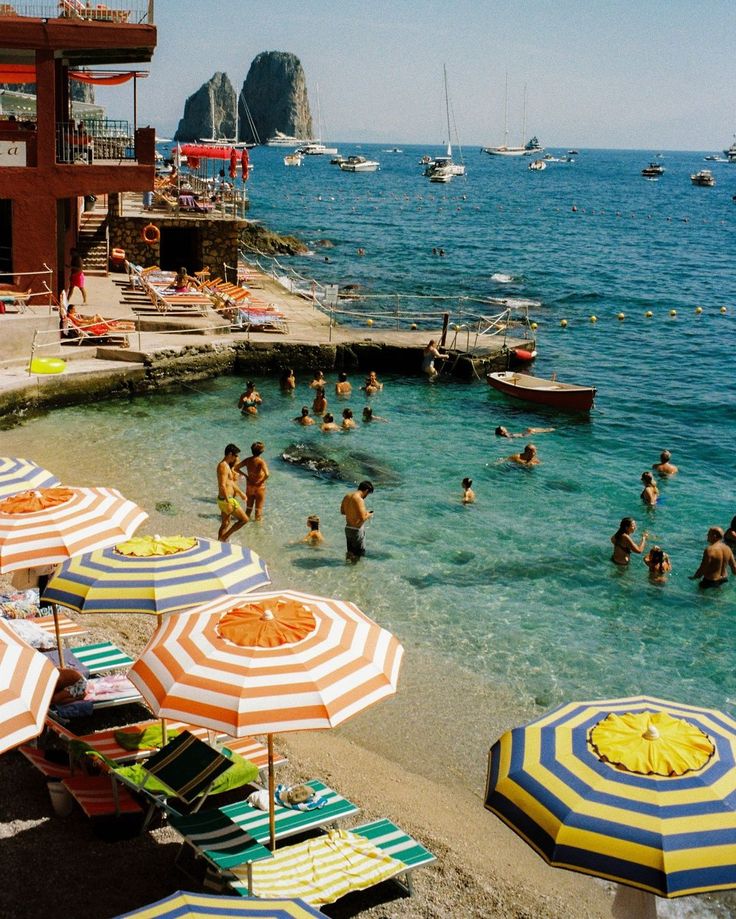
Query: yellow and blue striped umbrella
{"type": "Point", "coordinates": [575, 785]}
{"type": "Point", "coordinates": [186, 905]}
{"type": "Point", "coordinates": [17, 475]}
{"type": "Point", "coordinates": [158, 580]}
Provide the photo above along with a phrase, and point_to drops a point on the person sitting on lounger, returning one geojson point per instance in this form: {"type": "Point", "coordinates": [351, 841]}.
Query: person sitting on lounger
{"type": "Point", "coordinates": [181, 281]}
{"type": "Point", "coordinates": [70, 687]}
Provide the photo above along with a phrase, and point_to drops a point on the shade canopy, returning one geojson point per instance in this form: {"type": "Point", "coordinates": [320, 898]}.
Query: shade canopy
{"type": "Point", "coordinates": [266, 663]}
{"type": "Point", "coordinates": [155, 575]}
{"type": "Point", "coordinates": [17, 475]}
{"type": "Point", "coordinates": [186, 905]}
{"type": "Point", "coordinates": [27, 682]}
{"type": "Point", "coordinates": [609, 813]}
{"type": "Point", "coordinates": [49, 525]}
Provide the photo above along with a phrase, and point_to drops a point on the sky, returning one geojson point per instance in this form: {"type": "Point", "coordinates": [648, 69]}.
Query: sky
{"type": "Point", "coordinates": [600, 73]}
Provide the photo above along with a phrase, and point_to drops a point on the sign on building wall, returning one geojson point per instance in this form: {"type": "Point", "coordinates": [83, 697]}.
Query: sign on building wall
{"type": "Point", "coordinates": [12, 153]}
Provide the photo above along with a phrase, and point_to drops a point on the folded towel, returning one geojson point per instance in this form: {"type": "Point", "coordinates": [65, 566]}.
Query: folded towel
{"type": "Point", "coordinates": [293, 797]}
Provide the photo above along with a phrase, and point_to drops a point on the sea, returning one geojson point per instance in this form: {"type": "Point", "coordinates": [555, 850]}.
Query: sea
{"type": "Point", "coordinates": [509, 606]}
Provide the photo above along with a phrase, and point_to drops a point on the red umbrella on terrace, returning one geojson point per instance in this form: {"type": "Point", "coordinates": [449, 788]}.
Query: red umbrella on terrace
{"type": "Point", "coordinates": [233, 163]}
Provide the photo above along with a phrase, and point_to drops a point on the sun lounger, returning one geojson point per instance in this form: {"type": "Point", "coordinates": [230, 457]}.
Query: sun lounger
{"type": "Point", "coordinates": [323, 869]}
{"type": "Point", "coordinates": [103, 656]}
{"type": "Point", "coordinates": [68, 628]}
{"type": "Point", "coordinates": [98, 797]}
{"type": "Point", "coordinates": [290, 821]}
{"type": "Point", "coordinates": [190, 203]}
{"type": "Point", "coordinates": [46, 767]}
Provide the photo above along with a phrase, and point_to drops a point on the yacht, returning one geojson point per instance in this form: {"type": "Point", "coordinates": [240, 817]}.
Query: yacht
{"type": "Point", "coordinates": [730, 154]}
{"type": "Point", "coordinates": [531, 148]}
{"type": "Point", "coordinates": [441, 174]}
{"type": "Point", "coordinates": [359, 164]}
{"type": "Point", "coordinates": [704, 178]}
{"type": "Point", "coordinates": [653, 171]}
{"type": "Point", "coordinates": [316, 148]}
{"type": "Point", "coordinates": [285, 140]}
{"type": "Point", "coordinates": [444, 164]}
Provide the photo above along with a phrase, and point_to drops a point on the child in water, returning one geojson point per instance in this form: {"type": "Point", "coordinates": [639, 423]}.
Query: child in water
{"type": "Point", "coordinates": [468, 493]}
{"type": "Point", "coordinates": [658, 563]}
{"type": "Point", "coordinates": [314, 535]}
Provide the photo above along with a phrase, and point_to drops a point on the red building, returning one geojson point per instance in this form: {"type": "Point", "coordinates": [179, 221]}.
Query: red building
{"type": "Point", "coordinates": [49, 164]}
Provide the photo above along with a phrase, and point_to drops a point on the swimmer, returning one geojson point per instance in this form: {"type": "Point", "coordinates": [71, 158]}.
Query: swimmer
{"type": "Point", "coordinates": [527, 457]}
{"type": "Point", "coordinates": [368, 415]}
{"type": "Point", "coordinates": [504, 432]}
{"type": "Point", "coordinates": [250, 399]}
{"type": "Point", "coordinates": [228, 493]}
{"type": "Point", "coordinates": [429, 356]}
{"type": "Point", "coordinates": [319, 381]}
{"type": "Point", "coordinates": [343, 387]}
{"type": "Point", "coordinates": [468, 493]}
{"type": "Point", "coordinates": [658, 563]}
{"type": "Point", "coordinates": [314, 535]}
{"type": "Point", "coordinates": [328, 424]}
{"type": "Point", "coordinates": [287, 381]}
{"type": "Point", "coordinates": [664, 467]}
{"type": "Point", "coordinates": [729, 537]}
{"type": "Point", "coordinates": [304, 418]}
{"type": "Point", "coordinates": [650, 493]}
{"type": "Point", "coordinates": [256, 473]}
{"type": "Point", "coordinates": [623, 542]}
{"type": "Point", "coordinates": [372, 384]}
{"type": "Point", "coordinates": [319, 406]}
{"type": "Point", "coordinates": [348, 422]}
{"type": "Point", "coordinates": [717, 559]}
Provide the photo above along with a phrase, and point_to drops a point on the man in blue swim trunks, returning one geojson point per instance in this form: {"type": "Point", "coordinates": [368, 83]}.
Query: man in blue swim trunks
{"type": "Point", "coordinates": [228, 493]}
{"type": "Point", "coordinates": [355, 513]}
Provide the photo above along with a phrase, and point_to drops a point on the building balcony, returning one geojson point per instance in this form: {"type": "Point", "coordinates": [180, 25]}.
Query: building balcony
{"type": "Point", "coordinates": [106, 141]}
{"type": "Point", "coordinates": [136, 12]}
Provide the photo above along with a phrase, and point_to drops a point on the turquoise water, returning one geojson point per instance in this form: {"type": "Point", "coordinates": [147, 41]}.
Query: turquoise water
{"type": "Point", "coordinates": [510, 605]}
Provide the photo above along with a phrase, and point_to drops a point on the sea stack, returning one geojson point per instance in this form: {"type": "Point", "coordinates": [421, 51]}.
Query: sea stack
{"type": "Point", "coordinates": [275, 91]}
{"type": "Point", "coordinates": [210, 111]}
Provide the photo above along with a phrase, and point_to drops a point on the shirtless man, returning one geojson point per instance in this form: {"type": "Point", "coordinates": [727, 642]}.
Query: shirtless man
{"type": "Point", "coordinates": [348, 422]}
{"type": "Point", "coordinates": [228, 493]}
{"type": "Point", "coordinates": [328, 425]}
{"type": "Point", "coordinates": [304, 418]}
{"type": "Point", "coordinates": [355, 513]}
{"type": "Point", "coordinates": [527, 457]}
{"type": "Point", "coordinates": [717, 559]}
{"type": "Point", "coordinates": [664, 467]}
{"type": "Point", "coordinates": [256, 473]}
{"type": "Point", "coordinates": [504, 432]}
{"type": "Point", "coordinates": [343, 387]}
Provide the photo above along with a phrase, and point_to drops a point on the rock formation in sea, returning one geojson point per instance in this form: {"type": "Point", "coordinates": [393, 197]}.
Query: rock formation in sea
{"type": "Point", "coordinates": [210, 111]}
{"type": "Point", "coordinates": [275, 92]}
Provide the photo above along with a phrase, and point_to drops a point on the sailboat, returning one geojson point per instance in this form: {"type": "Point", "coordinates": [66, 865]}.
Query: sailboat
{"type": "Point", "coordinates": [231, 141]}
{"type": "Point", "coordinates": [529, 149]}
{"type": "Point", "coordinates": [443, 168]}
{"type": "Point", "coordinates": [316, 147]}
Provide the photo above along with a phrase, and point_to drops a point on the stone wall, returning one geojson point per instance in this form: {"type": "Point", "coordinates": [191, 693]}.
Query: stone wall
{"type": "Point", "coordinates": [216, 241]}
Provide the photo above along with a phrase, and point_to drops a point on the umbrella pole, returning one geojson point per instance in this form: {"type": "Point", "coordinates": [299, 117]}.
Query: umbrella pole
{"type": "Point", "coordinates": [57, 630]}
{"type": "Point", "coordinates": [271, 793]}
{"type": "Point", "coordinates": [164, 738]}
{"type": "Point", "coordinates": [632, 903]}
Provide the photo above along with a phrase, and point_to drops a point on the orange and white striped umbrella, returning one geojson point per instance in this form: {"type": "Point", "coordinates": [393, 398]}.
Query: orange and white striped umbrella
{"type": "Point", "coordinates": [50, 525]}
{"type": "Point", "coordinates": [27, 682]}
{"type": "Point", "coordinates": [269, 662]}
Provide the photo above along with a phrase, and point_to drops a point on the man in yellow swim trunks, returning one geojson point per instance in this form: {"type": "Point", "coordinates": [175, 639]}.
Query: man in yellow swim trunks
{"type": "Point", "coordinates": [228, 493]}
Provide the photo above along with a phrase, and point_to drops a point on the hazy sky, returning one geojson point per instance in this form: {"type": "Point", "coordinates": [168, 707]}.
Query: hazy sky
{"type": "Point", "coordinates": [600, 73]}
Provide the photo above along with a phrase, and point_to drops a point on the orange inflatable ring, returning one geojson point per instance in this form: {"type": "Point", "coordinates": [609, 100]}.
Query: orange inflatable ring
{"type": "Point", "coordinates": [150, 234]}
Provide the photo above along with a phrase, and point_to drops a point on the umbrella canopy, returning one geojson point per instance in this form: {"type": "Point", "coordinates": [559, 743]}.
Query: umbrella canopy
{"type": "Point", "coordinates": [266, 663]}
{"type": "Point", "coordinates": [18, 475]}
{"type": "Point", "coordinates": [636, 790]}
{"type": "Point", "coordinates": [150, 574]}
{"type": "Point", "coordinates": [49, 525]}
{"type": "Point", "coordinates": [27, 682]}
{"type": "Point", "coordinates": [185, 905]}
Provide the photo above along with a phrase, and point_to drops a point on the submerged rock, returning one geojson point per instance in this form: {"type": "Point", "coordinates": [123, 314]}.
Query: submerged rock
{"type": "Point", "coordinates": [340, 465]}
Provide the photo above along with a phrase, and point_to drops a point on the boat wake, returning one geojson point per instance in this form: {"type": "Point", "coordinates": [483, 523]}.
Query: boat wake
{"type": "Point", "coordinates": [500, 278]}
{"type": "Point", "coordinates": [514, 301]}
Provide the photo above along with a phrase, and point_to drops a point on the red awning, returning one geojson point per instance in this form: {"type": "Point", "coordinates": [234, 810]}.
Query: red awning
{"type": "Point", "coordinates": [26, 73]}
{"type": "Point", "coordinates": [206, 152]}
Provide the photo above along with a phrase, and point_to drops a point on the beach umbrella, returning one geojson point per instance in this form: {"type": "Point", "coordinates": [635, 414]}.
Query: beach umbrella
{"type": "Point", "coordinates": [27, 683]}
{"type": "Point", "coordinates": [637, 790]}
{"type": "Point", "coordinates": [186, 905]}
{"type": "Point", "coordinates": [233, 163]}
{"type": "Point", "coordinates": [244, 163]}
{"type": "Point", "coordinates": [267, 663]}
{"type": "Point", "coordinates": [49, 525]}
{"type": "Point", "coordinates": [156, 575]}
{"type": "Point", "coordinates": [18, 475]}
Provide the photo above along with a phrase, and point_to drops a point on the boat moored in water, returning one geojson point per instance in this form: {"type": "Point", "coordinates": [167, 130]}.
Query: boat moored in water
{"type": "Point", "coordinates": [537, 165]}
{"type": "Point", "coordinates": [293, 159]}
{"type": "Point", "coordinates": [359, 164]}
{"type": "Point", "coordinates": [567, 397]}
{"type": "Point", "coordinates": [653, 171]}
{"type": "Point", "coordinates": [704, 178]}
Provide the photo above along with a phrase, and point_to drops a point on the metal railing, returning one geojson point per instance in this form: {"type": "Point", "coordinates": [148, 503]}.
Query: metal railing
{"type": "Point", "coordinates": [136, 12]}
{"type": "Point", "coordinates": [93, 140]}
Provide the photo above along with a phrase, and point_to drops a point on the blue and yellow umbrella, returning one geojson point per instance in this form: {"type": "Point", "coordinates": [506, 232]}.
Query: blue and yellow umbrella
{"type": "Point", "coordinates": [186, 905]}
{"type": "Point", "coordinates": [156, 575]}
{"type": "Point", "coordinates": [17, 475]}
{"type": "Point", "coordinates": [637, 790]}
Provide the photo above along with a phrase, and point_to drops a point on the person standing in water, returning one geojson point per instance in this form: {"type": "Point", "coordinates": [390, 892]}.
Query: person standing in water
{"type": "Point", "coordinates": [664, 467]}
{"type": "Point", "coordinates": [468, 493]}
{"type": "Point", "coordinates": [228, 494]}
{"type": "Point", "coordinates": [304, 418]}
{"type": "Point", "coordinates": [717, 559]}
{"type": "Point", "coordinates": [431, 354]}
{"type": "Point", "coordinates": [343, 387]}
{"type": "Point", "coordinates": [623, 542]}
{"type": "Point", "coordinates": [650, 493]}
{"type": "Point", "coordinates": [356, 514]}
{"type": "Point", "coordinates": [250, 399]}
{"type": "Point", "coordinates": [256, 473]}
{"type": "Point", "coordinates": [527, 457]}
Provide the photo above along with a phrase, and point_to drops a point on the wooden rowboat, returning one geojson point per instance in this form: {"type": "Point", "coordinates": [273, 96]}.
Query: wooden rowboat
{"type": "Point", "coordinates": [565, 396]}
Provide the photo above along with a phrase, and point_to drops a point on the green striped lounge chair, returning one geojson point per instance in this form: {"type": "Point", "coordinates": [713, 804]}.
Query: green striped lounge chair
{"type": "Point", "coordinates": [102, 657]}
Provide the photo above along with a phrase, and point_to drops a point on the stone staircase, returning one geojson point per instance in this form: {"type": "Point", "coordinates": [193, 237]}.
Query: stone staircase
{"type": "Point", "coordinates": [93, 243]}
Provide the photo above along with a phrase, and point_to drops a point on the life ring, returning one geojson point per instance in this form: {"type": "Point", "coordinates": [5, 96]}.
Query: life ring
{"type": "Point", "coordinates": [150, 234]}
{"type": "Point", "coordinates": [47, 365]}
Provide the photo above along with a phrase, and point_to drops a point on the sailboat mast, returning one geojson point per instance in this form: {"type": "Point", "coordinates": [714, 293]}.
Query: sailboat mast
{"type": "Point", "coordinates": [523, 120]}
{"type": "Point", "coordinates": [447, 110]}
{"type": "Point", "coordinates": [506, 113]}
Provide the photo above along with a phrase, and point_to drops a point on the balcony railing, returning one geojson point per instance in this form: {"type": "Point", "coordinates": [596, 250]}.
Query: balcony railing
{"type": "Point", "coordinates": [121, 11]}
{"type": "Point", "coordinates": [94, 140]}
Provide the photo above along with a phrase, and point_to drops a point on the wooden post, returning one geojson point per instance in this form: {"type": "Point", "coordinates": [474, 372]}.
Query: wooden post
{"type": "Point", "coordinates": [445, 322]}
{"type": "Point", "coordinates": [59, 646]}
{"type": "Point", "coordinates": [271, 793]}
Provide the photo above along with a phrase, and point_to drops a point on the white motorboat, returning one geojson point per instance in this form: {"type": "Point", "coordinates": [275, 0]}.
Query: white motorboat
{"type": "Point", "coordinates": [441, 174]}
{"type": "Point", "coordinates": [730, 154]}
{"type": "Point", "coordinates": [285, 140]}
{"type": "Point", "coordinates": [704, 178]}
{"type": "Point", "coordinates": [653, 171]}
{"type": "Point", "coordinates": [359, 164]}
{"type": "Point", "coordinates": [444, 164]}
{"type": "Point", "coordinates": [537, 165]}
{"type": "Point", "coordinates": [293, 159]}
{"type": "Point", "coordinates": [317, 148]}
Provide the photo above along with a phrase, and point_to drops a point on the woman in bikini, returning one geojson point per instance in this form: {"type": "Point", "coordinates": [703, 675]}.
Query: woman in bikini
{"type": "Point", "coordinates": [623, 543]}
